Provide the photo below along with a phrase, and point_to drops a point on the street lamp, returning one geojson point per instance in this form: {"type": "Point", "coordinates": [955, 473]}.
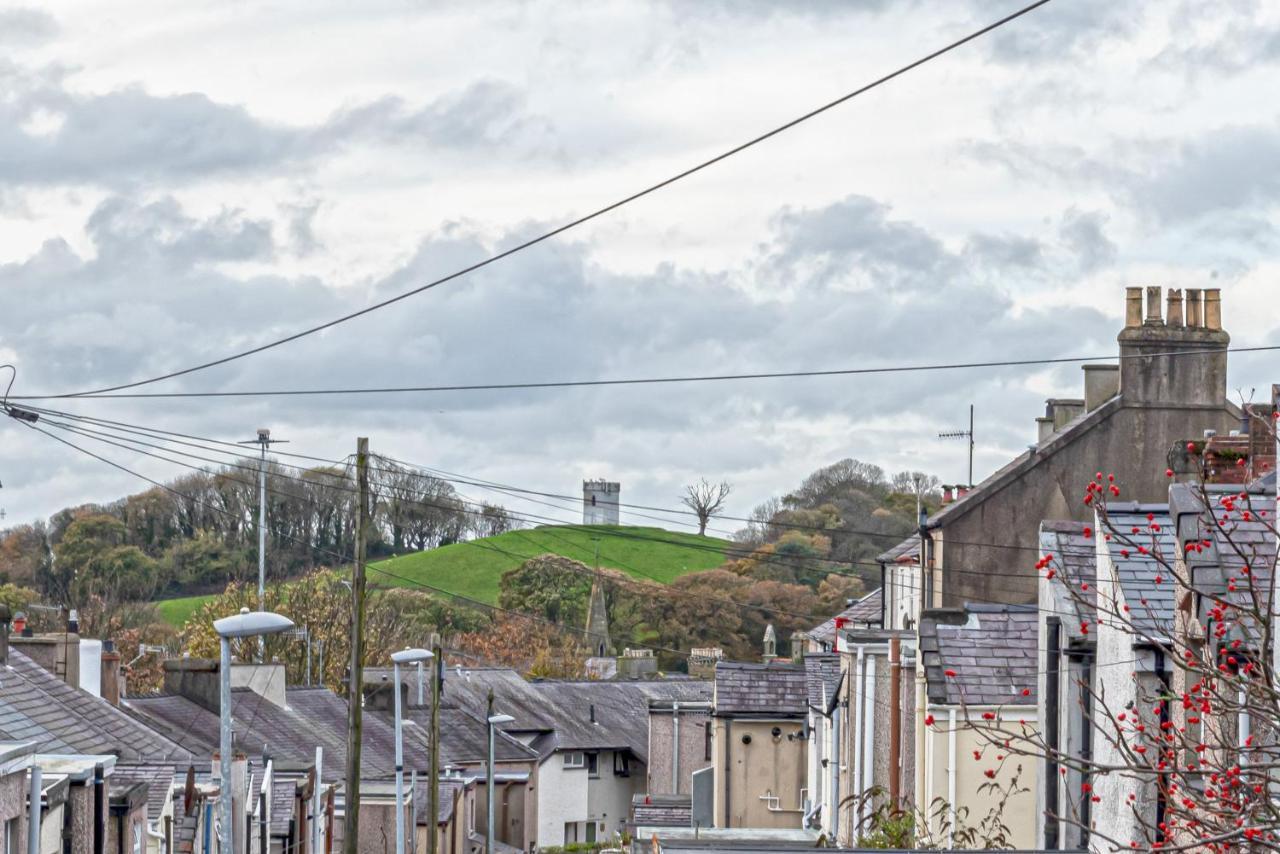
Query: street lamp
{"type": "Point", "coordinates": [494, 720]}
{"type": "Point", "coordinates": [404, 656]}
{"type": "Point", "coordinates": [246, 624]}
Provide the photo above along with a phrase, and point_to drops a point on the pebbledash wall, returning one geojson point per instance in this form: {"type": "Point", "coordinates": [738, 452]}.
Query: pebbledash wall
{"type": "Point", "coordinates": [572, 795]}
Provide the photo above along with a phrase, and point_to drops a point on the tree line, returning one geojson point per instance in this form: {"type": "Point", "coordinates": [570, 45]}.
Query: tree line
{"type": "Point", "coordinates": [201, 531]}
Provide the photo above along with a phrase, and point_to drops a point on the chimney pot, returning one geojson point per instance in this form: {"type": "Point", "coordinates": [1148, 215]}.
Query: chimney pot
{"type": "Point", "coordinates": [1153, 307]}
{"type": "Point", "coordinates": [1213, 309]}
{"type": "Point", "coordinates": [1194, 313]}
{"type": "Point", "coordinates": [1173, 314]}
{"type": "Point", "coordinates": [1132, 307]}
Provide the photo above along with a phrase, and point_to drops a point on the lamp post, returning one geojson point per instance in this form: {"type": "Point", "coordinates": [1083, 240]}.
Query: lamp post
{"type": "Point", "coordinates": [404, 656]}
{"type": "Point", "coordinates": [243, 625]}
{"type": "Point", "coordinates": [494, 720]}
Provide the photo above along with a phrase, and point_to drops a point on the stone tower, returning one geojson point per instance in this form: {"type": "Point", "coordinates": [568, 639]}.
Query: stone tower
{"type": "Point", "coordinates": [600, 502]}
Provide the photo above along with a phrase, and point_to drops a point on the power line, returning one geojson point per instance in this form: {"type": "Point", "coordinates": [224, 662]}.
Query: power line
{"type": "Point", "coordinates": [451, 477]}
{"type": "Point", "coordinates": [101, 394]}
{"type": "Point", "coordinates": [599, 212]}
{"type": "Point", "coordinates": [605, 531]}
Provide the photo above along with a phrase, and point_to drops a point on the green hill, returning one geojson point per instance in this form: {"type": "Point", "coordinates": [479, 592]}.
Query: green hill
{"type": "Point", "coordinates": [474, 568]}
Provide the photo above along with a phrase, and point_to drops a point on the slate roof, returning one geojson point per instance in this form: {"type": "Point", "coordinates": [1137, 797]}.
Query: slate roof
{"type": "Point", "coordinates": [558, 712]}
{"type": "Point", "coordinates": [993, 654]}
{"type": "Point", "coordinates": [662, 810]}
{"type": "Point", "coordinates": [864, 612]}
{"type": "Point", "coordinates": [157, 775]}
{"type": "Point", "coordinates": [908, 549]}
{"type": "Point", "coordinates": [449, 790]}
{"type": "Point", "coordinates": [1148, 526]}
{"type": "Point", "coordinates": [760, 690]}
{"type": "Point", "coordinates": [37, 706]}
{"type": "Point", "coordinates": [822, 680]}
{"type": "Point", "coordinates": [312, 717]}
{"type": "Point", "coordinates": [1234, 542]}
{"type": "Point", "coordinates": [1075, 562]}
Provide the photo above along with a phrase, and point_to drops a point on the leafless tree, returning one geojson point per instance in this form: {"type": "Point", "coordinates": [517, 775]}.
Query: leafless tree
{"type": "Point", "coordinates": [705, 499]}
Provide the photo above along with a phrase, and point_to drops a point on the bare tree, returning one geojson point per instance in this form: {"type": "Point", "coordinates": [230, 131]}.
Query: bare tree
{"type": "Point", "coordinates": [914, 483]}
{"type": "Point", "coordinates": [705, 499]}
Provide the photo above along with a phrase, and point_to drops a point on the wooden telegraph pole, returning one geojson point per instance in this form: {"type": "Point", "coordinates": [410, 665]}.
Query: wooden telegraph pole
{"type": "Point", "coordinates": [355, 720]}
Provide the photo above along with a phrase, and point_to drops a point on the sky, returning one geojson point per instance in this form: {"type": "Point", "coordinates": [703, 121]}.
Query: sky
{"type": "Point", "coordinates": [182, 181]}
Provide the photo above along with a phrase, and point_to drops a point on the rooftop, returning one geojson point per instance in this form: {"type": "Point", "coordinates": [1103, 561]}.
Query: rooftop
{"type": "Point", "coordinates": [36, 706]}
{"type": "Point", "coordinates": [822, 680]}
{"type": "Point", "coordinates": [992, 653]}
{"type": "Point", "coordinates": [864, 612]}
{"type": "Point", "coordinates": [745, 689]}
{"type": "Point", "coordinates": [1142, 549]}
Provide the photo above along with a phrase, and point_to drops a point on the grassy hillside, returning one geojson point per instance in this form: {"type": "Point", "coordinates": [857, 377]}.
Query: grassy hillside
{"type": "Point", "coordinates": [473, 569]}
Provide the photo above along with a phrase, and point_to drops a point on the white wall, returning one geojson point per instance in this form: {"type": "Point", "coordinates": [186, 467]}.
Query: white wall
{"type": "Point", "coordinates": [609, 796]}
{"type": "Point", "coordinates": [562, 796]}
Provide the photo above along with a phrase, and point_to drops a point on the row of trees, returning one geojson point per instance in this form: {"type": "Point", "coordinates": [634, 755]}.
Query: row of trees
{"type": "Point", "coordinates": [201, 532]}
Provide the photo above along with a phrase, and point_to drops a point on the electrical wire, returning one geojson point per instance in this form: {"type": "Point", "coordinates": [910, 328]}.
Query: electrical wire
{"type": "Point", "coordinates": [605, 531]}
{"type": "Point", "coordinates": [609, 532]}
{"type": "Point", "coordinates": [101, 394]}
{"type": "Point", "coordinates": [480, 483]}
{"type": "Point", "coordinates": [599, 212]}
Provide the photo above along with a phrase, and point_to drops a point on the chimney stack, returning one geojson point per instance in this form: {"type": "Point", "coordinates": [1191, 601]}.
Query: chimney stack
{"type": "Point", "coordinates": [1194, 314]}
{"type": "Point", "coordinates": [110, 686]}
{"type": "Point", "coordinates": [1153, 317]}
{"type": "Point", "coordinates": [1172, 361]}
{"type": "Point", "coordinates": [1213, 309]}
{"type": "Point", "coordinates": [1132, 307]}
{"type": "Point", "coordinates": [1173, 315]}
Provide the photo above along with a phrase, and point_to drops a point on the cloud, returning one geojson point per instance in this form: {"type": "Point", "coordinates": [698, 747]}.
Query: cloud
{"type": "Point", "coordinates": [1083, 232]}
{"type": "Point", "coordinates": [1062, 32]}
{"type": "Point", "coordinates": [129, 137]}
{"type": "Point", "coordinates": [24, 27]}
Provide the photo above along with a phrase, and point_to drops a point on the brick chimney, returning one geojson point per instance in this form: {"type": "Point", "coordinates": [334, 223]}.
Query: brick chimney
{"type": "Point", "coordinates": [1148, 373]}
{"type": "Point", "coordinates": [111, 686]}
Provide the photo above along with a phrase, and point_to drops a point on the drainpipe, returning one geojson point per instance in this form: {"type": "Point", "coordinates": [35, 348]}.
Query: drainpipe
{"type": "Point", "coordinates": [1164, 717]}
{"type": "Point", "coordinates": [728, 775]}
{"type": "Point", "coordinates": [33, 831]}
{"type": "Point", "coordinates": [1052, 680]}
{"type": "Point", "coordinates": [99, 794]}
{"type": "Point", "coordinates": [951, 776]}
{"type": "Point", "coordinates": [855, 742]}
{"type": "Point", "coordinates": [868, 738]}
{"type": "Point", "coordinates": [834, 761]}
{"type": "Point", "coordinates": [895, 721]}
{"type": "Point", "coordinates": [675, 747]}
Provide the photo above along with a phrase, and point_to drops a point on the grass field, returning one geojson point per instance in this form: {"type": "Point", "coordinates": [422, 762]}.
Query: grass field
{"type": "Point", "coordinates": [176, 611]}
{"type": "Point", "coordinates": [473, 569]}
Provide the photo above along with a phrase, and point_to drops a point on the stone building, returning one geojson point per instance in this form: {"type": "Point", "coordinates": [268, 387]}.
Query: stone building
{"type": "Point", "coordinates": [1170, 385]}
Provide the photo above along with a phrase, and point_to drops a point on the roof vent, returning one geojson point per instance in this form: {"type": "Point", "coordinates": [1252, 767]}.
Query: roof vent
{"type": "Point", "coordinates": [592, 707]}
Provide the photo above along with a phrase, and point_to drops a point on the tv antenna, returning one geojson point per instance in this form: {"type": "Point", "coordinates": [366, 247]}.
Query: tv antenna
{"type": "Point", "coordinates": [963, 434]}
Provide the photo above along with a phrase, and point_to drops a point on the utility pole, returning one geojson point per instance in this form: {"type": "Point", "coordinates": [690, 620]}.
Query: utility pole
{"type": "Point", "coordinates": [437, 674]}
{"type": "Point", "coordinates": [963, 434]}
{"type": "Point", "coordinates": [264, 441]}
{"type": "Point", "coordinates": [355, 688]}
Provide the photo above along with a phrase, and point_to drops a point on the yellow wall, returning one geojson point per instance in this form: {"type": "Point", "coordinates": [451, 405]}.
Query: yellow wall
{"type": "Point", "coordinates": [769, 765]}
{"type": "Point", "coordinates": [1019, 813]}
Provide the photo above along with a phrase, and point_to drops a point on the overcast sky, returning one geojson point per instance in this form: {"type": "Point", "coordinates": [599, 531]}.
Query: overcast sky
{"type": "Point", "coordinates": [178, 181]}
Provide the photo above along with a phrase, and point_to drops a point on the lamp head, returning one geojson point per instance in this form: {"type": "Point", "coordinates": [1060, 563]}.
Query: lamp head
{"type": "Point", "coordinates": [408, 656]}
{"type": "Point", "coordinates": [252, 623]}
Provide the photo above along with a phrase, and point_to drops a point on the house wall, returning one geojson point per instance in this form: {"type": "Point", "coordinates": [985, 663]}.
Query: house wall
{"type": "Point", "coordinates": [768, 767]}
{"type": "Point", "coordinates": [126, 825]}
{"type": "Point", "coordinates": [562, 797]}
{"type": "Point", "coordinates": [1133, 442]}
{"type": "Point", "coordinates": [80, 797]}
{"type": "Point", "coordinates": [13, 804]}
{"type": "Point", "coordinates": [693, 749]}
{"type": "Point", "coordinates": [609, 795]}
{"type": "Point", "coordinates": [972, 802]}
{"type": "Point", "coordinates": [51, 829]}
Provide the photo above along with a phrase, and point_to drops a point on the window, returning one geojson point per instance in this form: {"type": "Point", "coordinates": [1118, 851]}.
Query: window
{"type": "Point", "coordinates": [706, 753]}
{"type": "Point", "coordinates": [574, 759]}
{"type": "Point", "coordinates": [11, 837]}
{"type": "Point", "coordinates": [593, 764]}
{"type": "Point", "coordinates": [621, 765]}
{"type": "Point", "coordinates": [570, 832]}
